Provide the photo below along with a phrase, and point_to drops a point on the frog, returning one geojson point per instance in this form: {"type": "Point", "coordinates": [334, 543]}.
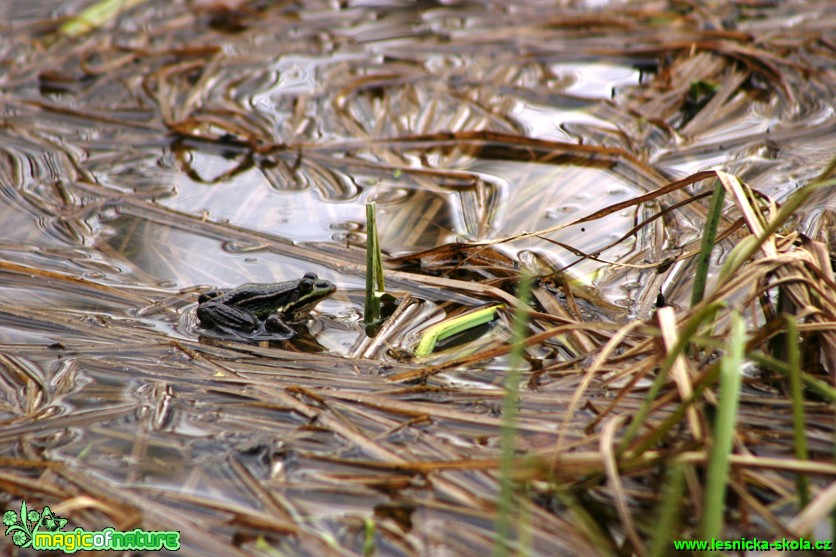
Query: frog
{"type": "Point", "coordinates": [255, 307]}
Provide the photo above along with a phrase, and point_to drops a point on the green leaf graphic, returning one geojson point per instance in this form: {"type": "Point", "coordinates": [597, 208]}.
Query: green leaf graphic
{"type": "Point", "coordinates": [52, 522]}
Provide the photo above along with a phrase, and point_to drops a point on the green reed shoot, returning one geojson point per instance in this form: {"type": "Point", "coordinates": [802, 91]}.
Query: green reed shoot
{"type": "Point", "coordinates": [95, 16]}
{"type": "Point", "coordinates": [449, 327]}
{"type": "Point", "coordinates": [797, 393]}
{"type": "Point", "coordinates": [510, 409]}
{"type": "Point", "coordinates": [715, 211]}
{"type": "Point", "coordinates": [666, 526]}
{"type": "Point", "coordinates": [724, 428]}
{"type": "Point", "coordinates": [375, 286]}
{"type": "Point", "coordinates": [685, 337]}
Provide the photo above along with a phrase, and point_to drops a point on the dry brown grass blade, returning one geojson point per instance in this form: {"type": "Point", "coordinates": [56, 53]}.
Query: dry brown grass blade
{"type": "Point", "coordinates": [669, 188]}
{"type": "Point", "coordinates": [122, 517]}
{"type": "Point", "coordinates": [744, 203]}
{"type": "Point", "coordinates": [578, 338]}
{"type": "Point", "coordinates": [614, 342]}
{"type": "Point", "coordinates": [679, 370]}
{"type": "Point", "coordinates": [608, 455]}
{"type": "Point", "coordinates": [13, 431]}
{"type": "Point", "coordinates": [155, 514]}
{"type": "Point", "coordinates": [419, 409]}
{"type": "Point", "coordinates": [816, 512]}
{"type": "Point", "coordinates": [326, 419]}
{"type": "Point", "coordinates": [11, 267]}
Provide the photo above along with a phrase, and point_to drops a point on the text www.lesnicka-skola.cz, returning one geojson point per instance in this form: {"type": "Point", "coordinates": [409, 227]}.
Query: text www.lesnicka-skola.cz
{"type": "Point", "coordinates": [754, 544]}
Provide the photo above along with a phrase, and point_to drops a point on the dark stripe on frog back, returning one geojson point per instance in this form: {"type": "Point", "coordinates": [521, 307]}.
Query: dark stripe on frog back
{"type": "Point", "coordinates": [252, 297]}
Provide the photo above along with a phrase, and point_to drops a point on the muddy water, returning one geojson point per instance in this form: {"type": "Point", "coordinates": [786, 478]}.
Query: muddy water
{"type": "Point", "coordinates": [179, 147]}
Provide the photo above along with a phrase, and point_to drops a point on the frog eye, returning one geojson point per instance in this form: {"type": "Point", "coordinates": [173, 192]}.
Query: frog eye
{"type": "Point", "coordinates": [306, 284]}
{"type": "Point", "coordinates": [206, 296]}
{"type": "Point", "coordinates": [311, 276]}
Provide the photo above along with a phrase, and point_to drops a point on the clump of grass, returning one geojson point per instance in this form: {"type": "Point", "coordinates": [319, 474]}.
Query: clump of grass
{"type": "Point", "coordinates": [688, 419]}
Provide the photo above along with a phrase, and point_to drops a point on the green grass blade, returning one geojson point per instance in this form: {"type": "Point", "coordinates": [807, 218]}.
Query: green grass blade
{"type": "Point", "coordinates": [666, 527]}
{"type": "Point", "coordinates": [510, 409]}
{"type": "Point", "coordinates": [374, 269]}
{"type": "Point", "coordinates": [724, 427]}
{"type": "Point", "coordinates": [817, 386]}
{"type": "Point", "coordinates": [688, 331]}
{"type": "Point", "coordinates": [715, 211]}
{"type": "Point", "coordinates": [794, 360]}
{"type": "Point", "coordinates": [368, 537]}
{"type": "Point", "coordinates": [95, 16]}
{"type": "Point", "coordinates": [449, 327]}
{"type": "Point", "coordinates": [675, 418]}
